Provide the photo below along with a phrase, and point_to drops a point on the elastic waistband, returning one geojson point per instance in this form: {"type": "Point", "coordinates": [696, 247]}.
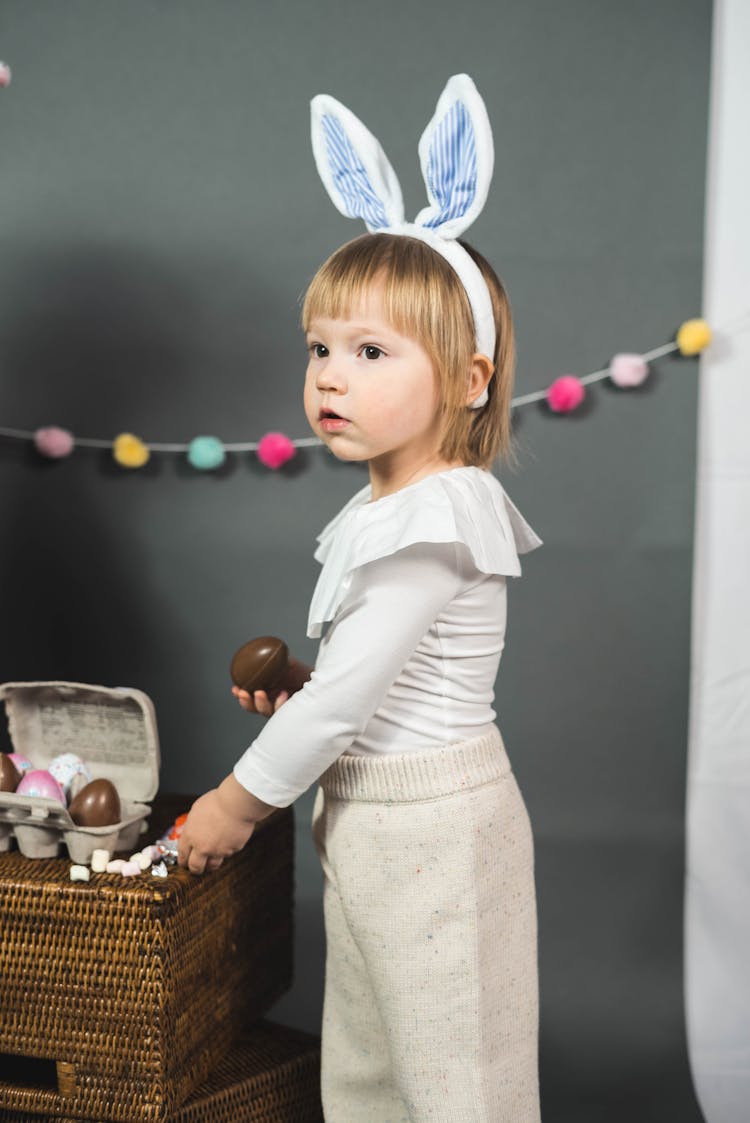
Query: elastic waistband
{"type": "Point", "coordinates": [427, 774]}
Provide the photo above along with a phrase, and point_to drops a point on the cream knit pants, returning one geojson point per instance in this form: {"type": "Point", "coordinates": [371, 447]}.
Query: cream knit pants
{"type": "Point", "coordinates": [431, 1003]}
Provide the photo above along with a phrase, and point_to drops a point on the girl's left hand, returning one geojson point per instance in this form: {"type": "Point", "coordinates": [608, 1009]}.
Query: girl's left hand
{"type": "Point", "coordinates": [211, 834]}
{"type": "Point", "coordinates": [294, 678]}
{"type": "Point", "coordinates": [259, 701]}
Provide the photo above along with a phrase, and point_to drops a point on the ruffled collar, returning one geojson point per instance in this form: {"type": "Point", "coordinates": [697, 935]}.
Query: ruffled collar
{"type": "Point", "coordinates": [465, 504]}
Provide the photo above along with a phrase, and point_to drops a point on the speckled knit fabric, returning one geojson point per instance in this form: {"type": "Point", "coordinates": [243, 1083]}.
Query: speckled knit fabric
{"type": "Point", "coordinates": [431, 995]}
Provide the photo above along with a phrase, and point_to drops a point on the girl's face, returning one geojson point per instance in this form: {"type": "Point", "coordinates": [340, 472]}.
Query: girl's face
{"type": "Point", "coordinates": [380, 382]}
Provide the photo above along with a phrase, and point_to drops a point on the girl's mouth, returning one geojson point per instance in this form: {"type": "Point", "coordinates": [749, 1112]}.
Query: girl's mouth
{"type": "Point", "coordinates": [332, 422]}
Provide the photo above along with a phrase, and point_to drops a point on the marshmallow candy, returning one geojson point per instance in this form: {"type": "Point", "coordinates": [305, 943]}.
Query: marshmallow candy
{"type": "Point", "coordinates": [100, 860]}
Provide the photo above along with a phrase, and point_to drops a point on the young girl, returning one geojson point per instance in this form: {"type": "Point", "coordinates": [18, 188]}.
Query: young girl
{"type": "Point", "coordinates": [431, 990]}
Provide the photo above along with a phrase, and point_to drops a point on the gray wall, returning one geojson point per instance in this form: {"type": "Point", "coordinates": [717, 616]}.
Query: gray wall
{"type": "Point", "coordinates": [160, 214]}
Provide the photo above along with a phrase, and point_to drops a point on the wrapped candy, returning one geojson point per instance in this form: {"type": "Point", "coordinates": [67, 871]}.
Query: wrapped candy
{"type": "Point", "coordinates": [166, 846]}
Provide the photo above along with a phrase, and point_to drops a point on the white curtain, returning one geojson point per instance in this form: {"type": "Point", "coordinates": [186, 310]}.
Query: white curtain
{"type": "Point", "coordinates": [717, 901]}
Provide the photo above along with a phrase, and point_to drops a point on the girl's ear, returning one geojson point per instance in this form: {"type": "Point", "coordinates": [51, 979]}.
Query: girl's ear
{"type": "Point", "coordinates": [457, 156]}
{"type": "Point", "coordinates": [481, 371]}
{"type": "Point", "coordinates": [354, 168]}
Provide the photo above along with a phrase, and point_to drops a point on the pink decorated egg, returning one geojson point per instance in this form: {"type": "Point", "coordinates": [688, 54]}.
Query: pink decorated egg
{"type": "Point", "coordinates": [40, 782]}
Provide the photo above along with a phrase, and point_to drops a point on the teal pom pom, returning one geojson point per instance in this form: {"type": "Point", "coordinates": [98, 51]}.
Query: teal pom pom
{"type": "Point", "coordinates": [206, 453]}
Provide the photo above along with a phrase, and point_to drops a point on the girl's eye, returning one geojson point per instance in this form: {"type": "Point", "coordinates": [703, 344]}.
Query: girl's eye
{"type": "Point", "coordinates": [319, 350]}
{"type": "Point", "coordinates": [370, 351]}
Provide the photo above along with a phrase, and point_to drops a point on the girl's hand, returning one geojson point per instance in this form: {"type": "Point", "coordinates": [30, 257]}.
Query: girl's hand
{"type": "Point", "coordinates": [219, 824]}
{"type": "Point", "coordinates": [210, 834]}
{"type": "Point", "coordinates": [261, 702]}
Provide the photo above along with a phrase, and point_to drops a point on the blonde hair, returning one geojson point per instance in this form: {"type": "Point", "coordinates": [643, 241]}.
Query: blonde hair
{"type": "Point", "coordinates": [425, 300]}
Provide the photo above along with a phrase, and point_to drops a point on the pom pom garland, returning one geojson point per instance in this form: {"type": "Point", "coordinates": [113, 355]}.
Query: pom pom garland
{"type": "Point", "coordinates": [275, 449]}
{"type": "Point", "coordinates": [693, 336]}
{"type": "Point", "coordinates": [129, 451]}
{"type": "Point", "coordinates": [566, 393]}
{"type": "Point", "coordinates": [628, 370]}
{"type": "Point", "coordinates": [206, 453]}
{"type": "Point", "coordinates": [53, 442]}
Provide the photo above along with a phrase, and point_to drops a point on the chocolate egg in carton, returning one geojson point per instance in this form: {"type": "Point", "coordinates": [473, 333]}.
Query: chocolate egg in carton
{"type": "Point", "coordinates": [113, 729]}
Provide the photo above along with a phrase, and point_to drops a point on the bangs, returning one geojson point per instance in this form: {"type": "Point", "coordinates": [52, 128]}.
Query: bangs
{"type": "Point", "coordinates": [418, 286]}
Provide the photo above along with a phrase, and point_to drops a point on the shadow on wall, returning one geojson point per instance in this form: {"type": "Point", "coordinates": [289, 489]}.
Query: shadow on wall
{"type": "Point", "coordinates": [112, 339]}
{"type": "Point", "coordinates": [96, 343]}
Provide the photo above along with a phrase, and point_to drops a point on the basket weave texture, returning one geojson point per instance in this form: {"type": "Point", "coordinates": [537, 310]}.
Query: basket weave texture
{"type": "Point", "coordinates": [272, 1075]}
{"type": "Point", "coordinates": [134, 989]}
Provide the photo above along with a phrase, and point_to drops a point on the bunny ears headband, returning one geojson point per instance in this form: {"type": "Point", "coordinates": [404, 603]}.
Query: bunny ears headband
{"type": "Point", "coordinates": [456, 155]}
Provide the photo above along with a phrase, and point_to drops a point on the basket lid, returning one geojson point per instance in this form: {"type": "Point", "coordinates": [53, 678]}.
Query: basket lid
{"type": "Point", "coordinates": [113, 729]}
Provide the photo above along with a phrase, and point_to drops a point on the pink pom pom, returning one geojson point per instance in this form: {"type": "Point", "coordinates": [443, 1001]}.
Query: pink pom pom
{"type": "Point", "coordinates": [565, 393]}
{"type": "Point", "coordinates": [4, 74]}
{"type": "Point", "coordinates": [53, 442]}
{"type": "Point", "coordinates": [628, 370]}
{"type": "Point", "coordinates": [275, 449]}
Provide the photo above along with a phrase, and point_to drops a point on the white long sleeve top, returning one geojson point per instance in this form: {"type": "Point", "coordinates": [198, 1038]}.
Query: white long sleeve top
{"type": "Point", "coordinates": [413, 590]}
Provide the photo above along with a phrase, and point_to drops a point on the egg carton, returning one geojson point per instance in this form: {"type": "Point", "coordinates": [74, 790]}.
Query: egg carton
{"type": "Point", "coordinates": [113, 729]}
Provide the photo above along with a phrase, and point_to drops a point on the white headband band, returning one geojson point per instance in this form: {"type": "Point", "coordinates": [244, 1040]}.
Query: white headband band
{"type": "Point", "coordinates": [456, 154]}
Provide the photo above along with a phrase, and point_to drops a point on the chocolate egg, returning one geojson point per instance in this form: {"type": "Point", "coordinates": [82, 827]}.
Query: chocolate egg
{"type": "Point", "coordinates": [96, 805]}
{"type": "Point", "coordinates": [41, 783]}
{"type": "Point", "coordinates": [9, 774]}
{"type": "Point", "coordinates": [259, 664]}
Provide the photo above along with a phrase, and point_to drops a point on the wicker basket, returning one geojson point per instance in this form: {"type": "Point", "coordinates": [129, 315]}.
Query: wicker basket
{"type": "Point", "coordinates": [272, 1075]}
{"type": "Point", "coordinates": [119, 997]}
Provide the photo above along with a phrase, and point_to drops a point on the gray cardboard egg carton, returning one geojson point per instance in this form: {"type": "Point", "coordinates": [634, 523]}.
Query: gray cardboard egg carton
{"type": "Point", "coordinates": [113, 729]}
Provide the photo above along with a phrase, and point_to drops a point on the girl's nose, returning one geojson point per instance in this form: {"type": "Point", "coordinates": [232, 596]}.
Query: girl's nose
{"type": "Point", "coordinates": [331, 376]}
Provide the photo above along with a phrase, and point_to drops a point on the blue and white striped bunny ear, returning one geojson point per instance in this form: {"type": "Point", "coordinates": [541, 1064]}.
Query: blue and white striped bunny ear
{"type": "Point", "coordinates": [354, 168]}
{"type": "Point", "coordinates": [457, 156]}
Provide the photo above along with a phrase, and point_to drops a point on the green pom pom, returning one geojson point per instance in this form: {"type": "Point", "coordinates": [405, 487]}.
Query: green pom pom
{"type": "Point", "coordinates": [206, 453]}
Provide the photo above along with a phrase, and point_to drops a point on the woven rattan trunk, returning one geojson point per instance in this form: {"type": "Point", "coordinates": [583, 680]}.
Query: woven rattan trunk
{"type": "Point", "coordinates": [119, 997]}
{"type": "Point", "coordinates": [272, 1075]}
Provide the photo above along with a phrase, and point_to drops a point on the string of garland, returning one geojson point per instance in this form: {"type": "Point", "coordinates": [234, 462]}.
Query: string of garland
{"type": "Point", "coordinates": [206, 453]}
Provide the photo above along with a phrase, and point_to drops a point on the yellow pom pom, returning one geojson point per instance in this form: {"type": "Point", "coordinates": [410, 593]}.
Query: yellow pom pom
{"type": "Point", "coordinates": [129, 451]}
{"type": "Point", "coordinates": [693, 336]}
